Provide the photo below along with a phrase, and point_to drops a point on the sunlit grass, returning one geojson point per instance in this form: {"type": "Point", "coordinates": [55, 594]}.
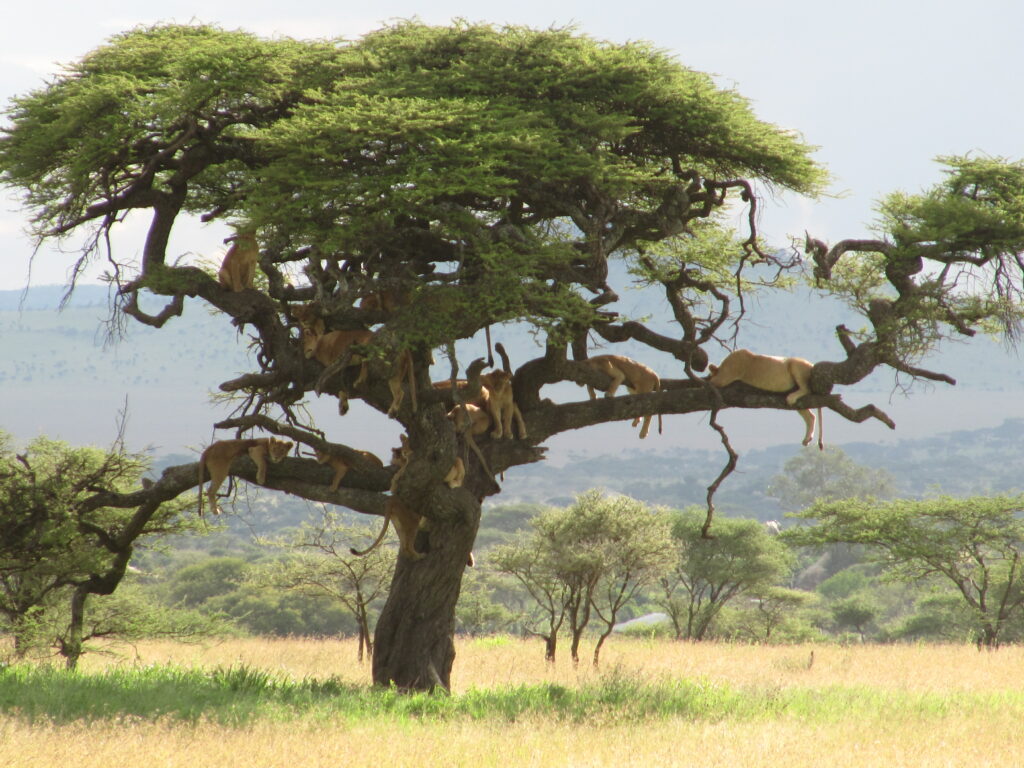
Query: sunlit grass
{"type": "Point", "coordinates": [265, 702]}
{"type": "Point", "coordinates": [490, 662]}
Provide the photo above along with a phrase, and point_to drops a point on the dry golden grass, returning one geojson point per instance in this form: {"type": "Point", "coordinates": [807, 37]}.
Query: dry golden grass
{"type": "Point", "coordinates": [952, 741]}
{"type": "Point", "coordinates": [486, 662]}
{"type": "Point", "coordinates": [956, 737]}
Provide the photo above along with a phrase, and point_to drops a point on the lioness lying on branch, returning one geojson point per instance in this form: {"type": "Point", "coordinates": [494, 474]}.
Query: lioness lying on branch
{"type": "Point", "coordinates": [218, 456]}
{"type": "Point", "coordinates": [772, 374]}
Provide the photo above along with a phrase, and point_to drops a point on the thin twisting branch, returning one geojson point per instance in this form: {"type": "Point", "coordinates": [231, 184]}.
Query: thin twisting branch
{"type": "Point", "coordinates": [727, 470]}
{"type": "Point", "coordinates": [173, 309]}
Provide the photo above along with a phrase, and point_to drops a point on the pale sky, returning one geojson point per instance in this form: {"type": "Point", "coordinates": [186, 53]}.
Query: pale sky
{"type": "Point", "coordinates": [882, 86]}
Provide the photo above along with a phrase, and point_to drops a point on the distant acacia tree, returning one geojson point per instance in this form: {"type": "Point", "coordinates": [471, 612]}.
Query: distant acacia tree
{"type": "Point", "coordinates": [975, 544]}
{"type": "Point", "coordinates": [480, 611]}
{"type": "Point", "coordinates": [430, 183]}
{"type": "Point", "coordinates": [828, 475]}
{"type": "Point", "coordinates": [855, 612]}
{"type": "Point", "coordinates": [641, 550]}
{"type": "Point", "coordinates": [325, 567]}
{"type": "Point", "coordinates": [771, 609]}
{"type": "Point", "coordinates": [545, 612]}
{"type": "Point", "coordinates": [742, 559]}
{"type": "Point", "coordinates": [591, 557]}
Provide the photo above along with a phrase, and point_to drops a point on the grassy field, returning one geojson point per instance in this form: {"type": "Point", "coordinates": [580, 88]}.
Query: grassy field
{"type": "Point", "coordinates": [653, 703]}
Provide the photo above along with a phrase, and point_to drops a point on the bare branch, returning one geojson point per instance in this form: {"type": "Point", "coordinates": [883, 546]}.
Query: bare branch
{"type": "Point", "coordinates": [825, 260]}
{"type": "Point", "coordinates": [861, 414]}
{"type": "Point", "coordinates": [727, 470]}
{"type": "Point", "coordinates": [173, 309]}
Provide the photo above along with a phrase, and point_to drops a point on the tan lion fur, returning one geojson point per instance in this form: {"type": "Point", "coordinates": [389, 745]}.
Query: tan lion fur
{"type": "Point", "coordinates": [238, 269]}
{"type": "Point", "coordinates": [307, 316]}
{"type": "Point", "coordinates": [218, 456]}
{"type": "Point", "coordinates": [772, 374]}
{"type": "Point", "coordinates": [500, 405]}
{"type": "Point", "coordinates": [328, 347]}
{"type": "Point", "coordinates": [468, 416]}
{"type": "Point", "coordinates": [407, 524]}
{"type": "Point", "coordinates": [341, 465]}
{"type": "Point", "coordinates": [638, 378]}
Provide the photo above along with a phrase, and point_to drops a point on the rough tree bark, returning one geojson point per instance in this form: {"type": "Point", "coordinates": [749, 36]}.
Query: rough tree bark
{"type": "Point", "coordinates": [414, 638]}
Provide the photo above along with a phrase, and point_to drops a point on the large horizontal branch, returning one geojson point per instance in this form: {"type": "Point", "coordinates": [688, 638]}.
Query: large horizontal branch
{"type": "Point", "coordinates": [681, 396]}
{"type": "Point", "coordinates": [300, 477]}
{"type": "Point", "coordinates": [377, 478]}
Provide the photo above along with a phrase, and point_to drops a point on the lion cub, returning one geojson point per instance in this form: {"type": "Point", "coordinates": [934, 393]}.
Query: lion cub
{"type": "Point", "coordinates": [238, 269]}
{"type": "Point", "coordinates": [328, 347]}
{"type": "Point", "coordinates": [772, 374]}
{"type": "Point", "coordinates": [638, 378]}
{"type": "Point", "coordinates": [341, 466]}
{"type": "Point", "coordinates": [218, 456]}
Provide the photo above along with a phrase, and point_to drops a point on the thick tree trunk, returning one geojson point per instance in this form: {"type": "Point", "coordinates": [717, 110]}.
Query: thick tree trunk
{"type": "Point", "coordinates": [414, 645]}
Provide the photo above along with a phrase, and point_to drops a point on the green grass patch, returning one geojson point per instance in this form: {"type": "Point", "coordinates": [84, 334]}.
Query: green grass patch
{"type": "Point", "coordinates": [242, 695]}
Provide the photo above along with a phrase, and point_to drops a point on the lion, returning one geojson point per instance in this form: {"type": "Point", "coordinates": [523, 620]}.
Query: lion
{"type": "Point", "coordinates": [772, 374]}
{"type": "Point", "coordinates": [400, 456]}
{"type": "Point", "coordinates": [403, 369]}
{"type": "Point", "coordinates": [238, 269]}
{"type": "Point", "coordinates": [341, 465]}
{"type": "Point", "coordinates": [638, 378]}
{"type": "Point", "coordinates": [497, 398]}
{"type": "Point", "coordinates": [328, 347]}
{"type": "Point", "coordinates": [470, 417]}
{"type": "Point", "coordinates": [386, 300]}
{"type": "Point", "coordinates": [471, 421]}
{"type": "Point", "coordinates": [307, 316]}
{"type": "Point", "coordinates": [218, 456]}
{"type": "Point", "coordinates": [457, 474]}
{"type": "Point", "coordinates": [407, 524]}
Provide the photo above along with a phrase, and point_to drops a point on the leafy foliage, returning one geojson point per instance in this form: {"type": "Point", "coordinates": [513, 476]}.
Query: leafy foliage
{"type": "Point", "coordinates": [828, 475]}
{"type": "Point", "coordinates": [976, 544]}
{"type": "Point", "coordinates": [57, 544]}
{"type": "Point", "coordinates": [709, 573]}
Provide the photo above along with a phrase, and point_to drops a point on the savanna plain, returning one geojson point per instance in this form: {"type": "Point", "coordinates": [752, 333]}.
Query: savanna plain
{"type": "Point", "coordinates": [260, 702]}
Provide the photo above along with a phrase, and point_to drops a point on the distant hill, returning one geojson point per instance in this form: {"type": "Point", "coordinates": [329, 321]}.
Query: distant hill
{"type": "Point", "coordinates": [964, 463]}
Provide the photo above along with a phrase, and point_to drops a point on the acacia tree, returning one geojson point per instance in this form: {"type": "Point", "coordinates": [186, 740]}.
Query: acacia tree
{"type": "Point", "coordinates": [59, 544]}
{"type": "Point", "coordinates": [485, 176]}
{"type": "Point", "coordinates": [975, 544]}
{"type": "Point", "coordinates": [639, 549]}
{"type": "Point", "coordinates": [742, 559]}
{"type": "Point", "coordinates": [545, 613]}
{"type": "Point", "coordinates": [827, 475]}
{"type": "Point", "coordinates": [325, 567]}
